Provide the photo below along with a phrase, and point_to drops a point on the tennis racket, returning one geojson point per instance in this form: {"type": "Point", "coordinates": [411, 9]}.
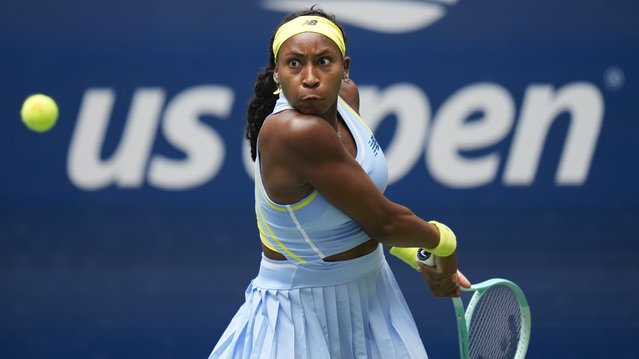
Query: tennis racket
{"type": "Point", "coordinates": [496, 324]}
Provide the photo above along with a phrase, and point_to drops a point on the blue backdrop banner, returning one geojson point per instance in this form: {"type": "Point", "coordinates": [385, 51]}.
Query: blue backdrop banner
{"type": "Point", "coordinates": [128, 229]}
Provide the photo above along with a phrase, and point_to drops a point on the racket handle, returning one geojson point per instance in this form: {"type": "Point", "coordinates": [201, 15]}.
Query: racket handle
{"type": "Point", "coordinates": [425, 257]}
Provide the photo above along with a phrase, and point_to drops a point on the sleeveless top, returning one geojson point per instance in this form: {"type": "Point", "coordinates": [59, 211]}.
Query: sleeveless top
{"type": "Point", "coordinates": [312, 229]}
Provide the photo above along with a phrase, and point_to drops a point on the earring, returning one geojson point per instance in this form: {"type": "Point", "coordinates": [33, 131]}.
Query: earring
{"type": "Point", "coordinates": [279, 89]}
{"type": "Point", "coordinates": [346, 79]}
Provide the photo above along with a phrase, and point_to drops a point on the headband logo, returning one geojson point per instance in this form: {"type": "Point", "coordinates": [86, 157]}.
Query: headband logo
{"type": "Point", "coordinates": [310, 22]}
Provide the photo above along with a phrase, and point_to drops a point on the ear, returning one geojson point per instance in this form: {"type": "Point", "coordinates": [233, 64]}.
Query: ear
{"type": "Point", "coordinates": [347, 66]}
{"type": "Point", "coordinates": [276, 76]}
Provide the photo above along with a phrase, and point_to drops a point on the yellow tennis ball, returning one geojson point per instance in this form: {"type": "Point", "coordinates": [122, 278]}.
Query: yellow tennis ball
{"type": "Point", "coordinates": [39, 112]}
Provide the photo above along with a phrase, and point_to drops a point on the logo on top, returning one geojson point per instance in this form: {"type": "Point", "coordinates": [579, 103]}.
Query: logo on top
{"type": "Point", "coordinates": [385, 16]}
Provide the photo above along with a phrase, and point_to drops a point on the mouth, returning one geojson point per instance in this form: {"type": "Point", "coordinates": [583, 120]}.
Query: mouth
{"type": "Point", "coordinates": [310, 98]}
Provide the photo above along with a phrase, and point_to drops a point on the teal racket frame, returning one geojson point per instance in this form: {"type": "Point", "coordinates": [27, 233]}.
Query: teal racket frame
{"type": "Point", "coordinates": [465, 317]}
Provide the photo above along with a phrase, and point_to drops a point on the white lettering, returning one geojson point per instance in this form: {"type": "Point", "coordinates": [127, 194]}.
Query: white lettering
{"type": "Point", "coordinates": [249, 165]}
{"type": "Point", "coordinates": [452, 133]}
{"type": "Point", "coordinates": [126, 166]}
{"type": "Point", "coordinates": [412, 110]}
{"type": "Point", "coordinates": [204, 148]}
{"type": "Point", "coordinates": [541, 106]}
{"type": "Point", "coordinates": [472, 119]}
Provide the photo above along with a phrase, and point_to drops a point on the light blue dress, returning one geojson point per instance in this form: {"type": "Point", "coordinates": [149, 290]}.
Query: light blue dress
{"type": "Point", "coordinates": [304, 307]}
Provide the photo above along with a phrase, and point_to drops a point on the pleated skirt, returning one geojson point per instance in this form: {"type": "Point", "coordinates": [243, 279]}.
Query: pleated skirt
{"type": "Point", "coordinates": [346, 309]}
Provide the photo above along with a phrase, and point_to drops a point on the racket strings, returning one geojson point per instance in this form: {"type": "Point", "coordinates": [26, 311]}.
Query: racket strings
{"type": "Point", "coordinates": [495, 325]}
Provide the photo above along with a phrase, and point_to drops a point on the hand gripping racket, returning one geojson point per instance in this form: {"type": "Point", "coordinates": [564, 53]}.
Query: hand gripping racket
{"type": "Point", "coordinates": [496, 324]}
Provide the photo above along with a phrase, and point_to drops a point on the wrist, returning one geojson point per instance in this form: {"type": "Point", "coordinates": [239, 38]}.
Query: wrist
{"type": "Point", "coordinates": [447, 241]}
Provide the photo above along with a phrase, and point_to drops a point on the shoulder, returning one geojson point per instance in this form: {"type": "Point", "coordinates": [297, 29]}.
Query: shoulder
{"type": "Point", "coordinates": [292, 136]}
{"type": "Point", "coordinates": [292, 126]}
{"type": "Point", "coordinates": [350, 93]}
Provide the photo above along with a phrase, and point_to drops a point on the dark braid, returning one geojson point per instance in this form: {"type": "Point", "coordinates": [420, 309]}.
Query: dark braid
{"type": "Point", "coordinates": [263, 101]}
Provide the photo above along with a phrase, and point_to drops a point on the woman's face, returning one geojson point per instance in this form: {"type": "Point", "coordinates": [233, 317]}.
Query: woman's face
{"type": "Point", "coordinates": [310, 70]}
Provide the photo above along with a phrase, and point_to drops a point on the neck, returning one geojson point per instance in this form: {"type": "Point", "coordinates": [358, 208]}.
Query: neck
{"type": "Point", "coordinates": [331, 116]}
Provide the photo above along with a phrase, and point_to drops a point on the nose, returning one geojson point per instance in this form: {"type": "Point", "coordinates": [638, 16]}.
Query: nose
{"type": "Point", "coordinates": [310, 80]}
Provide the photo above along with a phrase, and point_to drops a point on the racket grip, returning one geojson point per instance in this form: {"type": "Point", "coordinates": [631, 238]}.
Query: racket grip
{"type": "Point", "coordinates": [425, 257]}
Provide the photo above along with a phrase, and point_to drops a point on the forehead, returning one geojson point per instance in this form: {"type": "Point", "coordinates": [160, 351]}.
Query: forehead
{"type": "Point", "coordinates": [309, 42]}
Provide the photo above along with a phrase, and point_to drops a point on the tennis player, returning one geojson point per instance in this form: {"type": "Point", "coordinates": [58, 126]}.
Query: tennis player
{"type": "Point", "coordinates": [324, 289]}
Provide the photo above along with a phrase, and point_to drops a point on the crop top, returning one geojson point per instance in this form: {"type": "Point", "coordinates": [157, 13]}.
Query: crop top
{"type": "Point", "coordinates": [312, 229]}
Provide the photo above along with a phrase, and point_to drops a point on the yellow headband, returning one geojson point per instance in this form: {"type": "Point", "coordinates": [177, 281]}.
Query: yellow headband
{"type": "Point", "coordinates": [318, 24]}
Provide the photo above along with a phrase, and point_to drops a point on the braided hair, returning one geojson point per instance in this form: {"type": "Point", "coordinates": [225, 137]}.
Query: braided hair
{"type": "Point", "coordinates": [263, 101]}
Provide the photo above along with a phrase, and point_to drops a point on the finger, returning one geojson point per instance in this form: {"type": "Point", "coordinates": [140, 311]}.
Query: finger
{"type": "Point", "coordinates": [447, 264]}
{"type": "Point", "coordinates": [423, 268]}
{"type": "Point", "coordinates": [454, 290]}
{"type": "Point", "coordinates": [449, 288]}
{"type": "Point", "coordinates": [463, 281]}
{"type": "Point", "coordinates": [439, 287]}
{"type": "Point", "coordinates": [450, 292]}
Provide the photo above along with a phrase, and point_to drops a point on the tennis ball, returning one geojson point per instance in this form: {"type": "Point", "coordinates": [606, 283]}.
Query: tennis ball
{"type": "Point", "coordinates": [39, 112]}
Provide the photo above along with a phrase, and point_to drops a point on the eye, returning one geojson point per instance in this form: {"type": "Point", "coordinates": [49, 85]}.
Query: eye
{"type": "Point", "coordinates": [294, 63]}
{"type": "Point", "coordinates": [324, 61]}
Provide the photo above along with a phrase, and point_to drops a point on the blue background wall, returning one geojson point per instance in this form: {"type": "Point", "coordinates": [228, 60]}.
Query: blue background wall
{"type": "Point", "coordinates": [130, 270]}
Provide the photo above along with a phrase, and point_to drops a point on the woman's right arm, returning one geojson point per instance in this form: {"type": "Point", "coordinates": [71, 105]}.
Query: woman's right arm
{"type": "Point", "coordinates": [308, 147]}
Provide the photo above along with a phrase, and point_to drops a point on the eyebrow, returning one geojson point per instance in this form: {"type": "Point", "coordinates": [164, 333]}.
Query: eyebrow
{"type": "Point", "coordinates": [299, 54]}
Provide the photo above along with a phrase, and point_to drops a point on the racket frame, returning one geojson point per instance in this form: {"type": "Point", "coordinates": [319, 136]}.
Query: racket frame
{"type": "Point", "coordinates": [464, 317]}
